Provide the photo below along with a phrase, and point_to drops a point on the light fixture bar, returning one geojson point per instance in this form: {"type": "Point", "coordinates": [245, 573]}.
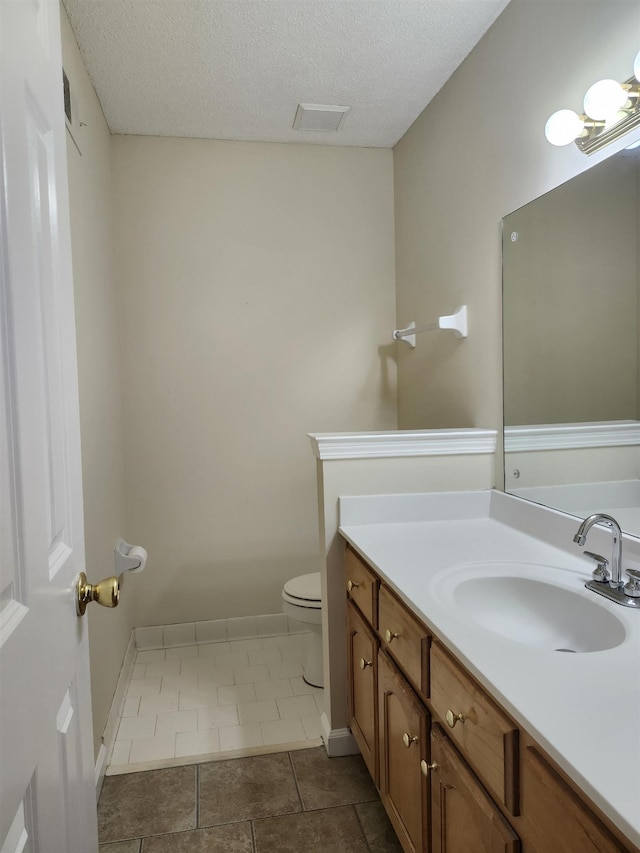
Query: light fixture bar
{"type": "Point", "coordinates": [611, 110]}
{"type": "Point", "coordinates": [599, 135]}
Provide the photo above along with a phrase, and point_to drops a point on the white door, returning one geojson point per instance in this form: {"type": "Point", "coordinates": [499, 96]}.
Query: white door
{"type": "Point", "coordinates": [47, 787]}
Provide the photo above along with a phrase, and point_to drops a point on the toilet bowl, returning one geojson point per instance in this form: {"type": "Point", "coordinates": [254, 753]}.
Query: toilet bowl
{"type": "Point", "coordinates": [302, 602]}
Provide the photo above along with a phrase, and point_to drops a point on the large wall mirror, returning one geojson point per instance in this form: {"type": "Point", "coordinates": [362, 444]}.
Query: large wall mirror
{"type": "Point", "coordinates": [571, 309]}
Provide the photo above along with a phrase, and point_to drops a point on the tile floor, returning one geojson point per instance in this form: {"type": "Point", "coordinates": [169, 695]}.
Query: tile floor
{"type": "Point", "coordinates": [191, 703]}
{"type": "Point", "coordinates": [287, 802]}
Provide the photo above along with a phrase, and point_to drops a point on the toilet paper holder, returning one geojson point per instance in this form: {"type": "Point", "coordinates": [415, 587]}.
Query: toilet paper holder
{"type": "Point", "coordinates": [128, 558]}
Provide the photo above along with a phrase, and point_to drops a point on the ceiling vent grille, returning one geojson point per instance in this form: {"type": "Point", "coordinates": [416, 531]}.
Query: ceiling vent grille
{"type": "Point", "coordinates": [326, 118]}
{"type": "Point", "coordinates": [74, 125]}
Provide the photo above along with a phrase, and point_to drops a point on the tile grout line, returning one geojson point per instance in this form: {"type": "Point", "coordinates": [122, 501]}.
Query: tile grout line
{"type": "Point", "coordinates": [295, 782]}
{"type": "Point", "coordinates": [364, 835]}
{"type": "Point", "coordinates": [197, 766]}
{"type": "Point", "coordinates": [169, 832]}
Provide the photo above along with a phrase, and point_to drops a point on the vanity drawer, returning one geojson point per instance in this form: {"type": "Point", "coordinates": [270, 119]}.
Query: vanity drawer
{"type": "Point", "coordinates": [362, 586]}
{"type": "Point", "coordinates": [404, 638]}
{"type": "Point", "coordinates": [484, 734]}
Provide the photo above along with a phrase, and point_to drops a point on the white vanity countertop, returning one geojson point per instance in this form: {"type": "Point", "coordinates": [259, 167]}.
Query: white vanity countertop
{"type": "Point", "coordinates": [584, 709]}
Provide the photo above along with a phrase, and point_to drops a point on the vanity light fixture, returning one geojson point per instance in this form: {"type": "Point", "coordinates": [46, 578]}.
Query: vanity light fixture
{"type": "Point", "coordinates": [611, 109]}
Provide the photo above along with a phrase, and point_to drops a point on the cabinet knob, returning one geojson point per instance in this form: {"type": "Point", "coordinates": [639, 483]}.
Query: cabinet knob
{"type": "Point", "coordinates": [453, 718]}
{"type": "Point", "coordinates": [427, 767]}
{"type": "Point", "coordinates": [389, 635]}
{"type": "Point", "coordinates": [407, 740]}
{"type": "Point", "coordinates": [352, 585]}
{"type": "Point", "coordinates": [365, 663]}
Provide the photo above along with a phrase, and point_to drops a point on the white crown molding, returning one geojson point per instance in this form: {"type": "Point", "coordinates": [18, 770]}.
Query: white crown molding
{"type": "Point", "coordinates": [559, 436]}
{"type": "Point", "coordinates": [427, 442]}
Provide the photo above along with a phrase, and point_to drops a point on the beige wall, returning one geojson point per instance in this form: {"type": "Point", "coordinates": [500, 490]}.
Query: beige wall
{"type": "Point", "coordinates": [257, 300]}
{"type": "Point", "coordinates": [349, 477]}
{"type": "Point", "coordinates": [257, 285]}
{"type": "Point", "coordinates": [97, 330]}
{"type": "Point", "coordinates": [477, 153]}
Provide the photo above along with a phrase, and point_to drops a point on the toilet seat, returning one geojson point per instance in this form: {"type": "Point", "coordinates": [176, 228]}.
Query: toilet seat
{"type": "Point", "coordinates": [304, 591]}
{"type": "Point", "coordinates": [302, 603]}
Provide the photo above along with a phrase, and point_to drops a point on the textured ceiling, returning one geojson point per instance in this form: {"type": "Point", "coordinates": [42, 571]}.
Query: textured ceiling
{"type": "Point", "coordinates": [237, 69]}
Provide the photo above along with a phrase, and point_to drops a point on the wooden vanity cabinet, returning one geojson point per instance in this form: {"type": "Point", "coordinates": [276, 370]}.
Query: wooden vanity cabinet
{"type": "Point", "coordinates": [481, 731]}
{"type": "Point", "coordinates": [362, 668]}
{"type": "Point", "coordinates": [412, 705]}
{"type": "Point", "coordinates": [557, 818]}
{"type": "Point", "coordinates": [463, 816]}
{"type": "Point", "coordinates": [404, 745]}
{"type": "Point", "coordinates": [404, 638]}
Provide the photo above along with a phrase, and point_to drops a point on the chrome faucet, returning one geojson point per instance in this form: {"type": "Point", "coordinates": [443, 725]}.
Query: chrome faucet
{"type": "Point", "coordinates": [612, 587]}
{"type": "Point", "coordinates": [615, 581]}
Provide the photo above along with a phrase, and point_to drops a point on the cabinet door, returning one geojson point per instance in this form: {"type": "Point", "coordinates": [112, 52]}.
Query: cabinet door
{"type": "Point", "coordinates": [404, 726]}
{"type": "Point", "coordinates": [362, 663]}
{"type": "Point", "coordinates": [557, 818]}
{"type": "Point", "coordinates": [464, 818]}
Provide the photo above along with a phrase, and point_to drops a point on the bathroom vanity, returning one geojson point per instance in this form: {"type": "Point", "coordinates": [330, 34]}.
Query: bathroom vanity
{"type": "Point", "coordinates": [494, 699]}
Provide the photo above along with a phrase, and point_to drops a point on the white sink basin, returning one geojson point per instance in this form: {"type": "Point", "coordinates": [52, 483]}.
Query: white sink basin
{"type": "Point", "coordinates": [539, 606]}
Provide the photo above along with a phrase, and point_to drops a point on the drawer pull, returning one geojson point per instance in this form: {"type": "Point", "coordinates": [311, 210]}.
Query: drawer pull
{"type": "Point", "coordinates": [389, 635]}
{"type": "Point", "coordinates": [351, 585]}
{"type": "Point", "coordinates": [452, 718]}
{"type": "Point", "coordinates": [407, 740]}
{"type": "Point", "coordinates": [365, 663]}
{"type": "Point", "coordinates": [427, 767]}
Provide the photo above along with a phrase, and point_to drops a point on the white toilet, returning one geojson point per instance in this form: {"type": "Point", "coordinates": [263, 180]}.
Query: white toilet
{"type": "Point", "coordinates": [302, 601]}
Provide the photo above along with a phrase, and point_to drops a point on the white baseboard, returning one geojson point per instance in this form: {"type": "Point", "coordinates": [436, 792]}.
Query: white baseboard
{"type": "Point", "coordinates": [115, 713]}
{"type": "Point", "coordinates": [337, 741]}
{"type": "Point", "coordinates": [101, 766]}
{"type": "Point", "coordinates": [215, 631]}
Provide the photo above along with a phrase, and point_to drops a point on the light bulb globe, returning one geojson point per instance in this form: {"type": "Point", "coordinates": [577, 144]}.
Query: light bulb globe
{"type": "Point", "coordinates": [563, 127]}
{"type": "Point", "coordinates": [604, 99]}
{"type": "Point", "coordinates": [636, 66]}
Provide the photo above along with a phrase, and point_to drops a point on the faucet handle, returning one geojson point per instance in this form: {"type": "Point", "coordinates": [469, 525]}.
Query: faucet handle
{"type": "Point", "coordinates": [632, 587]}
{"type": "Point", "coordinates": [601, 572]}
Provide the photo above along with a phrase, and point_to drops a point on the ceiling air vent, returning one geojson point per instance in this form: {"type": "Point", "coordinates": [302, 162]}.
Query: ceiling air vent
{"type": "Point", "coordinates": [74, 125]}
{"type": "Point", "coordinates": [319, 117]}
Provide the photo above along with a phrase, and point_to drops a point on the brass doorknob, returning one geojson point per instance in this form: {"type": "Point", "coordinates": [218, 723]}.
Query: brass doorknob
{"type": "Point", "coordinates": [453, 718]}
{"type": "Point", "coordinates": [407, 740]}
{"type": "Point", "coordinates": [351, 585]}
{"type": "Point", "coordinates": [389, 635]}
{"type": "Point", "coordinates": [427, 767]}
{"type": "Point", "coordinates": [365, 663]}
{"type": "Point", "coordinates": [106, 592]}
